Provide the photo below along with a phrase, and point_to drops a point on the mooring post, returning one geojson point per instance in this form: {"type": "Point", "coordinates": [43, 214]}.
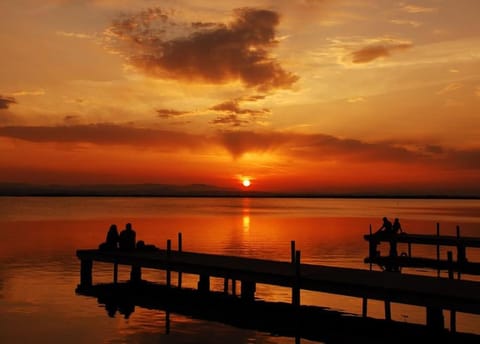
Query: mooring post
{"type": "Point", "coordinates": [461, 253]}
{"type": "Point", "coordinates": [296, 283]}
{"type": "Point", "coordinates": [169, 275]}
{"type": "Point", "coordinates": [372, 246]}
{"type": "Point", "coordinates": [86, 266]}
{"type": "Point", "coordinates": [180, 250]}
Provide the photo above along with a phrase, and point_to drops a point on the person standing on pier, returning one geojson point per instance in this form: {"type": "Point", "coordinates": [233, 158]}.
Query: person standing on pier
{"type": "Point", "coordinates": [386, 227]}
{"type": "Point", "coordinates": [111, 242]}
{"type": "Point", "coordinates": [127, 238]}
{"type": "Point", "coordinates": [397, 227]}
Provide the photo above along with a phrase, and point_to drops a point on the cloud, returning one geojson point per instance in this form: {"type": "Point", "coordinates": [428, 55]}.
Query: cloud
{"type": "Point", "coordinates": [306, 147]}
{"type": "Point", "coordinates": [373, 52]}
{"type": "Point", "coordinates": [450, 88]}
{"type": "Point", "coordinates": [29, 93]}
{"type": "Point", "coordinates": [170, 113]}
{"type": "Point", "coordinates": [214, 53]}
{"type": "Point", "coordinates": [412, 23]}
{"type": "Point", "coordinates": [417, 9]}
{"type": "Point", "coordinates": [5, 102]}
{"type": "Point", "coordinates": [73, 34]}
{"type": "Point", "coordinates": [106, 134]}
{"type": "Point", "coordinates": [233, 114]}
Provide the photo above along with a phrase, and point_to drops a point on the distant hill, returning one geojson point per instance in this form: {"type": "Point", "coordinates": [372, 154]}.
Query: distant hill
{"type": "Point", "coordinates": [190, 190]}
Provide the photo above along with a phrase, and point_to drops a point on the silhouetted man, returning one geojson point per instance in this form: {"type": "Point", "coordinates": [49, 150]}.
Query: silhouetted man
{"type": "Point", "coordinates": [127, 238]}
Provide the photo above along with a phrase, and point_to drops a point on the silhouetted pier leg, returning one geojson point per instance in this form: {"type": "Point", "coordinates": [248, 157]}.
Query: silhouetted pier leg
{"type": "Point", "coordinates": [296, 285]}
{"type": "Point", "coordinates": [364, 306]}
{"type": "Point", "coordinates": [453, 314]}
{"type": "Point", "coordinates": [292, 251]}
{"type": "Point", "coordinates": [372, 247]}
{"type": "Point", "coordinates": [204, 283]}
{"type": "Point", "coordinates": [86, 273]}
{"type": "Point", "coordinates": [438, 249]}
{"type": "Point", "coordinates": [388, 311]}
{"type": "Point", "coordinates": [179, 250]}
{"type": "Point", "coordinates": [169, 273]}
{"type": "Point", "coordinates": [115, 273]}
{"type": "Point", "coordinates": [225, 285]}
{"type": "Point", "coordinates": [248, 290]}
{"type": "Point", "coordinates": [453, 321]}
{"type": "Point", "coordinates": [136, 274]}
{"type": "Point", "coordinates": [435, 319]}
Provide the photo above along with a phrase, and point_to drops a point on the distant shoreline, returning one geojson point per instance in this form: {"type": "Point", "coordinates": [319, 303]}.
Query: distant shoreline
{"type": "Point", "coordinates": [197, 190]}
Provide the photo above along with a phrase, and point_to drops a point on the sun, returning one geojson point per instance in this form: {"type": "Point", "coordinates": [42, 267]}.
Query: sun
{"type": "Point", "coordinates": [246, 182]}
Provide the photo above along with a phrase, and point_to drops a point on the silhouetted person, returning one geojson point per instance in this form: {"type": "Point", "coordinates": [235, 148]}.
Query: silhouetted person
{"type": "Point", "coordinates": [111, 242]}
{"type": "Point", "coordinates": [386, 227]}
{"type": "Point", "coordinates": [127, 238]}
{"type": "Point", "coordinates": [397, 227]}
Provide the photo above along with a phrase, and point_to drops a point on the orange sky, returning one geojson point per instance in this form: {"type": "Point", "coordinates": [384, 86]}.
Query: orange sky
{"type": "Point", "coordinates": [298, 95]}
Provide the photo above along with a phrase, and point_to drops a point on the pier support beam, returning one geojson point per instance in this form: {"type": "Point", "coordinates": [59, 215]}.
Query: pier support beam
{"type": "Point", "coordinates": [86, 273]}
{"type": "Point", "coordinates": [435, 319]}
{"type": "Point", "coordinates": [204, 283]}
{"type": "Point", "coordinates": [248, 290]}
{"type": "Point", "coordinates": [388, 311]}
{"type": "Point", "coordinates": [364, 306]}
{"type": "Point", "coordinates": [135, 274]}
{"type": "Point", "coordinates": [115, 273]}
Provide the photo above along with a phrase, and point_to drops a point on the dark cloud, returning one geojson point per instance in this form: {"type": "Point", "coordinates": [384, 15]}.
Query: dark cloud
{"type": "Point", "coordinates": [207, 52]}
{"type": "Point", "coordinates": [5, 102]}
{"type": "Point", "coordinates": [235, 115]}
{"type": "Point", "coordinates": [170, 113]}
{"type": "Point", "coordinates": [373, 52]}
{"type": "Point", "coordinates": [306, 147]}
{"type": "Point", "coordinates": [107, 134]}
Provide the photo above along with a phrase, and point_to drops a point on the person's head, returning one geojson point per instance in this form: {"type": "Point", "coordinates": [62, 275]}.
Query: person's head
{"type": "Point", "coordinates": [385, 219]}
{"type": "Point", "coordinates": [396, 219]}
{"type": "Point", "coordinates": [113, 228]}
{"type": "Point", "coordinates": [128, 226]}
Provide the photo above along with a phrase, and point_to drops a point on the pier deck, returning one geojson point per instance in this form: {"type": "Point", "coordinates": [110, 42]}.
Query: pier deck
{"type": "Point", "coordinates": [430, 292]}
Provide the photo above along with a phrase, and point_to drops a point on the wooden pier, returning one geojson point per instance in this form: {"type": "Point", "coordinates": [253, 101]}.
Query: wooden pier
{"type": "Point", "coordinates": [436, 294]}
{"type": "Point", "coordinates": [393, 260]}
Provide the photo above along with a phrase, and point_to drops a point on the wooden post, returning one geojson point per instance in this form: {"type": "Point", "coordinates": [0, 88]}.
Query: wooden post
{"type": "Point", "coordinates": [292, 251]}
{"type": "Point", "coordinates": [86, 273]}
{"type": "Point", "coordinates": [388, 311]}
{"type": "Point", "coordinates": [179, 250]}
{"type": "Point", "coordinates": [409, 249]}
{"type": "Point", "coordinates": [296, 283]}
{"type": "Point", "coordinates": [225, 285]}
{"type": "Point", "coordinates": [136, 274]}
{"type": "Point", "coordinates": [461, 253]}
{"type": "Point", "coordinates": [115, 272]}
{"type": "Point", "coordinates": [453, 314]}
{"type": "Point", "coordinates": [247, 290]}
{"type": "Point", "coordinates": [203, 285]}
{"type": "Point", "coordinates": [438, 250]}
{"type": "Point", "coordinates": [364, 306]}
{"type": "Point", "coordinates": [169, 274]}
{"type": "Point", "coordinates": [435, 319]}
{"type": "Point", "coordinates": [450, 264]}
{"type": "Point", "coordinates": [234, 287]}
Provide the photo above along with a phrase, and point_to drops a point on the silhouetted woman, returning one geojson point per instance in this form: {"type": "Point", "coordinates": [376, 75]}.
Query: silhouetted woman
{"type": "Point", "coordinates": [111, 242]}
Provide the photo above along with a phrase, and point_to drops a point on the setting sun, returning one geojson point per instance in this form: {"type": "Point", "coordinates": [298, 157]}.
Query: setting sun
{"type": "Point", "coordinates": [246, 183]}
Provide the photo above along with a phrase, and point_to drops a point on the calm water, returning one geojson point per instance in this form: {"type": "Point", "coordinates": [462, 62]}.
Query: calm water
{"type": "Point", "coordinates": [39, 270]}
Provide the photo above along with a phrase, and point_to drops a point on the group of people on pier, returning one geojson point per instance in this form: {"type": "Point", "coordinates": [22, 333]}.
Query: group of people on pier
{"type": "Point", "coordinates": [126, 240]}
{"type": "Point", "coordinates": [388, 228]}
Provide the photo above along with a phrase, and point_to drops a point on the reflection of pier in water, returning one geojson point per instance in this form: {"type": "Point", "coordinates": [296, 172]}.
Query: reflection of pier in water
{"type": "Point", "coordinates": [435, 294]}
{"type": "Point", "coordinates": [283, 319]}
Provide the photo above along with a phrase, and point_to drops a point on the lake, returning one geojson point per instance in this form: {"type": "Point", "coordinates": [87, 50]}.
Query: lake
{"type": "Point", "coordinates": [39, 270]}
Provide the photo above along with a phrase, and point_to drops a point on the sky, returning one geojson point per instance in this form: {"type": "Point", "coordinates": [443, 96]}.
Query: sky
{"type": "Point", "coordinates": [320, 96]}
